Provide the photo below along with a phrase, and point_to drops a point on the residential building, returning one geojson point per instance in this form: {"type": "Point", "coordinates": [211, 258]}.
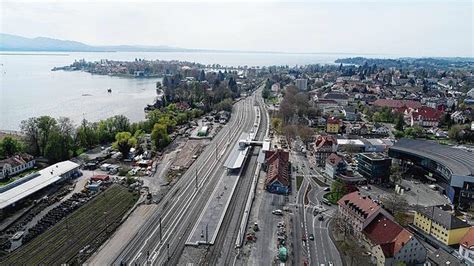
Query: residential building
{"type": "Point", "coordinates": [442, 258]}
{"type": "Point", "coordinates": [278, 171]}
{"type": "Point", "coordinates": [333, 124]}
{"type": "Point", "coordinates": [425, 117]}
{"type": "Point", "coordinates": [350, 113]}
{"type": "Point", "coordinates": [302, 84]}
{"type": "Point", "coordinates": [335, 165]}
{"type": "Point", "coordinates": [323, 147]}
{"type": "Point", "coordinates": [441, 224]}
{"type": "Point", "coordinates": [375, 167]}
{"type": "Point", "coordinates": [358, 211]}
{"type": "Point", "coordinates": [340, 98]}
{"type": "Point", "coordinates": [466, 247]}
{"type": "Point", "coordinates": [391, 244]}
{"type": "Point", "coordinates": [16, 164]}
{"type": "Point", "coordinates": [275, 87]}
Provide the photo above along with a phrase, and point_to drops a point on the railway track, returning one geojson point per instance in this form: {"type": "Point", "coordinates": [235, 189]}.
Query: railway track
{"type": "Point", "coordinates": [222, 252]}
{"type": "Point", "coordinates": [146, 245]}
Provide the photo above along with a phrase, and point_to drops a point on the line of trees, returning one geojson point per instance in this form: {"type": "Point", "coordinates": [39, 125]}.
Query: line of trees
{"type": "Point", "coordinates": [58, 139]}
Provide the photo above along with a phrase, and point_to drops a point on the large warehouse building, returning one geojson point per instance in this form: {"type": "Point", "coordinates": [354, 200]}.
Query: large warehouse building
{"type": "Point", "coordinates": [453, 168]}
{"type": "Point", "coordinates": [18, 190]}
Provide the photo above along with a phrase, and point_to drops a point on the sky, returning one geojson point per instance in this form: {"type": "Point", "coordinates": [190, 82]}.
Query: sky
{"type": "Point", "coordinates": [383, 27]}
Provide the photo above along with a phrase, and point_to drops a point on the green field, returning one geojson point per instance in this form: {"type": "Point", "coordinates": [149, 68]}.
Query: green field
{"type": "Point", "coordinates": [89, 226]}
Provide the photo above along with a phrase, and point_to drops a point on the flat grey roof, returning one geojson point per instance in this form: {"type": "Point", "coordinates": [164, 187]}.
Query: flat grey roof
{"type": "Point", "coordinates": [458, 161]}
{"type": "Point", "coordinates": [46, 177]}
{"type": "Point", "coordinates": [237, 156]}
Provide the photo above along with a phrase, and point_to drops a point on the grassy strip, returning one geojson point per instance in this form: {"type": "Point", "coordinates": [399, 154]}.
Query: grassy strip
{"type": "Point", "coordinates": [333, 197]}
{"type": "Point", "coordinates": [299, 181]}
{"type": "Point", "coordinates": [85, 229]}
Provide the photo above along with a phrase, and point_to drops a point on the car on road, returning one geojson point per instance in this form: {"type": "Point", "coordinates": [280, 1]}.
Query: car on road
{"type": "Point", "coordinates": [325, 201]}
{"type": "Point", "coordinates": [327, 189]}
{"type": "Point", "coordinates": [311, 237]}
{"type": "Point", "coordinates": [277, 212]}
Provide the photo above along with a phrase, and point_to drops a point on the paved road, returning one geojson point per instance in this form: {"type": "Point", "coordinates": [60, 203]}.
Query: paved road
{"type": "Point", "coordinates": [321, 250]}
{"type": "Point", "coordinates": [182, 205]}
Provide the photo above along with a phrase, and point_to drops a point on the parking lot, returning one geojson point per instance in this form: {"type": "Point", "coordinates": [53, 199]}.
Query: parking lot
{"type": "Point", "coordinates": [417, 194]}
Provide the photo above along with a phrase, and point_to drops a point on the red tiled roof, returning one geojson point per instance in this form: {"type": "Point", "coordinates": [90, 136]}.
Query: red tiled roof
{"type": "Point", "coordinates": [334, 159]}
{"type": "Point", "coordinates": [323, 140]}
{"type": "Point", "coordinates": [396, 103]}
{"type": "Point", "coordinates": [333, 120]}
{"type": "Point", "coordinates": [388, 234]}
{"type": "Point", "coordinates": [427, 113]}
{"type": "Point", "coordinates": [17, 160]}
{"type": "Point", "coordinates": [277, 162]}
{"type": "Point", "coordinates": [362, 203]}
{"type": "Point", "coordinates": [468, 239]}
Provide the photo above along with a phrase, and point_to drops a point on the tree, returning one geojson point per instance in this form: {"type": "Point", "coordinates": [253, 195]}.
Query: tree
{"type": "Point", "coordinates": [30, 128]}
{"type": "Point", "coordinates": [46, 126]}
{"type": "Point", "coordinates": [395, 173]}
{"type": "Point", "coordinates": [202, 75]}
{"type": "Point", "coordinates": [123, 142]}
{"type": "Point", "coordinates": [339, 188]}
{"type": "Point", "coordinates": [265, 93]}
{"type": "Point", "coordinates": [399, 122]}
{"type": "Point", "coordinates": [159, 136]}
{"type": "Point", "coordinates": [455, 132]}
{"type": "Point", "coordinates": [413, 132]}
{"type": "Point", "coordinates": [395, 203]}
{"type": "Point", "coordinates": [277, 124]}
{"type": "Point", "coordinates": [305, 133]}
{"type": "Point", "coordinates": [10, 146]}
{"type": "Point", "coordinates": [86, 135]}
{"type": "Point", "coordinates": [225, 105]}
{"type": "Point", "coordinates": [57, 148]}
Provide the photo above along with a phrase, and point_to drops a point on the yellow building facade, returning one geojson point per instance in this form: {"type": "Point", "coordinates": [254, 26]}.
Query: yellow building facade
{"type": "Point", "coordinates": [332, 128]}
{"type": "Point", "coordinates": [440, 224]}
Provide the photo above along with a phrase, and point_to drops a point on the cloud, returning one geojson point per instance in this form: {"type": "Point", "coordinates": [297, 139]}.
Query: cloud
{"type": "Point", "coordinates": [406, 28]}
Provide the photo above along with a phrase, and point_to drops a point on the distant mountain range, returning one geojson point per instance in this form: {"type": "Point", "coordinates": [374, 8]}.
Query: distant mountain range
{"type": "Point", "coordinates": [9, 42]}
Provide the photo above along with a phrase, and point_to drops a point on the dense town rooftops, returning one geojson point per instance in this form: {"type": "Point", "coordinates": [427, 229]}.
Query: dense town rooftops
{"type": "Point", "coordinates": [458, 161]}
{"type": "Point", "coordinates": [388, 234]}
{"type": "Point", "coordinates": [26, 186]}
{"type": "Point", "coordinates": [397, 103]}
{"type": "Point", "coordinates": [442, 217]}
{"type": "Point", "coordinates": [362, 204]}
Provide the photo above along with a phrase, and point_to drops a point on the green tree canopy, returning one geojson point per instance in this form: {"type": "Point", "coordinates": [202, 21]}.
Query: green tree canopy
{"type": "Point", "coordinates": [123, 142]}
{"type": "Point", "coordinates": [159, 136]}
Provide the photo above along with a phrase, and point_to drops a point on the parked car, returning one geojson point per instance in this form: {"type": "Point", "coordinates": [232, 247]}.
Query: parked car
{"type": "Point", "coordinates": [327, 189]}
{"type": "Point", "coordinates": [325, 201]}
{"type": "Point", "coordinates": [277, 212]}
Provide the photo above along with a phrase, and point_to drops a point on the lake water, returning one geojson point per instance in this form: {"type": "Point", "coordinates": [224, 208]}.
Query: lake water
{"type": "Point", "coordinates": [29, 88]}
